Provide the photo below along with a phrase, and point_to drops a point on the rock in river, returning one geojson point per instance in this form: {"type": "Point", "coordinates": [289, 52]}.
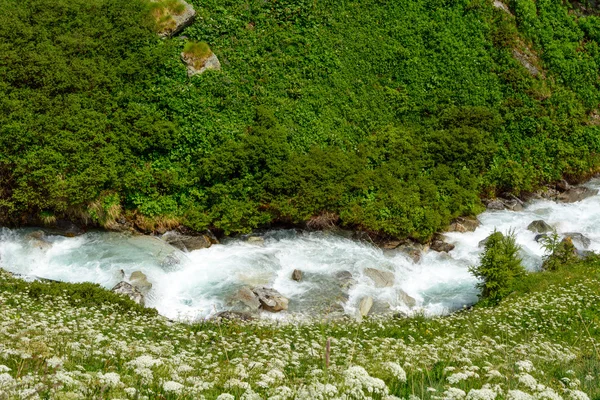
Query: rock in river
{"type": "Point", "coordinates": [381, 278]}
{"type": "Point", "coordinates": [130, 291]}
{"type": "Point", "coordinates": [270, 299]}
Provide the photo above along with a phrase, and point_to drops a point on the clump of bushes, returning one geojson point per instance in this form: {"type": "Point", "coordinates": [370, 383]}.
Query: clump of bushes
{"type": "Point", "coordinates": [558, 252]}
{"type": "Point", "coordinates": [499, 267]}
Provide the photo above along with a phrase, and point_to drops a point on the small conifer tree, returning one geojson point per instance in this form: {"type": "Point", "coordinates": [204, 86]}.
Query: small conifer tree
{"type": "Point", "coordinates": [499, 267]}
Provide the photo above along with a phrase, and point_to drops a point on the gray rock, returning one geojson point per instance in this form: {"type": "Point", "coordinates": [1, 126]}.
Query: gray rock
{"type": "Point", "coordinates": [257, 240]}
{"type": "Point", "coordinates": [130, 291]}
{"type": "Point", "coordinates": [464, 224]}
{"type": "Point", "coordinates": [541, 237]}
{"type": "Point", "coordinates": [406, 299]}
{"type": "Point", "coordinates": [539, 226]}
{"type": "Point", "coordinates": [365, 305]}
{"type": "Point", "coordinates": [526, 59]}
{"type": "Point", "coordinates": [212, 62]}
{"type": "Point", "coordinates": [187, 242]}
{"type": "Point", "coordinates": [297, 275]}
{"type": "Point", "coordinates": [140, 281]}
{"type": "Point", "coordinates": [178, 20]}
{"type": "Point", "coordinates": [441, 246]}
{"type": "Point", "coordinates": [345, 279]}
{"type": "Point", "coordinates": [245, 299]}
{"type": "Point", "coordinates": [412, 250]}
{"type": "Point", "coordinates": [575, 194]}
{"type": "Point", "coordinates": [495, 205]}
{"type": "Point", "coordinates": [513, 205]}
{"type": "Point", "coordinates": [270, 299]}
{"type": "Point", "coordinates": [578, 239]}
{"type": "Point", "coordinates": [381, 278]}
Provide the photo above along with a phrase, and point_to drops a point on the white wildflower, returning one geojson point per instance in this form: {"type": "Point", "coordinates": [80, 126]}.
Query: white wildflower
{"type": "Point", "coordinates": [518, 395]}
{"type": "Point", "coordinates": [528, 381]}
{"type": "Point", "coordinates": [454, 394]}
{"type": "Point", "coordinates": [481, 394]}
{"type": "Point", "coordinates": [578, 395]}
{"type": "Point", "coordinates": [225, 396]}
{"type": "Point", "coordinates": [54, 362]}
{"type": "Point", "coordinates": [396, 370]}
{"type": "Point", "coordinates": [173, 387]}
{"type": "Point", "coordinates": [525, 366]}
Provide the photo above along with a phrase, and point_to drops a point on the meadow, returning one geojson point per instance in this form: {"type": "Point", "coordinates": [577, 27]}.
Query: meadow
{"type": "Point", "coordinates": [73, 341]}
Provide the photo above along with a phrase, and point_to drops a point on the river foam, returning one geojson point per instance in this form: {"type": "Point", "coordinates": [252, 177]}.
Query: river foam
{"type": "Point", "coordinates": [197, 284]}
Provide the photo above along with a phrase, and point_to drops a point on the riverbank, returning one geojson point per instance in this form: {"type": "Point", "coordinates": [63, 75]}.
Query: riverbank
{"type": "Point", "coordinates": [539, 343]}
{"type": "Point", "coordinates": [337, 272]}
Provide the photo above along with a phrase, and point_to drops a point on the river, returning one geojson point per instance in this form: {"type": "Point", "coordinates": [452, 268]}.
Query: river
{"type": "Point", "coordinates": [197, 284]}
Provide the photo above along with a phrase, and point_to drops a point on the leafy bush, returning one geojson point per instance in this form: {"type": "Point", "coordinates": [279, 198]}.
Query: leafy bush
{"type": "Point", "coordinates": [559, 253]}
{"type": "Point", "coordinates": [499, 267]}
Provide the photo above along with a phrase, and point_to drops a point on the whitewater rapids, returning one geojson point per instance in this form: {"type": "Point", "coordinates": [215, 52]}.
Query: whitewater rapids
{"type": "Point", "coordinates": [197, 284]}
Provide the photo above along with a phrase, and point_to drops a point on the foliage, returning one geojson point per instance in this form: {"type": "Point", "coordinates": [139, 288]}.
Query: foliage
{"type": "Point", "coordinates": [559, 252]}
{"type": "Point", "coordinates": [394, 117]}
{"type": "Point", "coordinates": [540, 342]}
{"type": "Point", "coordinates": [499, 267]}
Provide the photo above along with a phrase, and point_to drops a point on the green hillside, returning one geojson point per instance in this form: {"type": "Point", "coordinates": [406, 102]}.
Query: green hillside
{"type": "Point", "coordinates": [388, 116]}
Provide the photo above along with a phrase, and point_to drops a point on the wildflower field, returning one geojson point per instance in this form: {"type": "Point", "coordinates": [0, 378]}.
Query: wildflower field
{"type": "Point", "coordinates": [74, 341]}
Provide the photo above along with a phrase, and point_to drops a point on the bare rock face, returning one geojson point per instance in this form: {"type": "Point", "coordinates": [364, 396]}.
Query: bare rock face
{"type": "Point", "coordinates": [365, 305]}
{"type": "Point", "coordinates": [140, 281]}
{"type": "Point", "coordinates": [297, 275]}
{"type": "Point", "coordinates": [130, 291]}
{"type": "Point", "coordinates": [381, 278]}
{"type": "Point", "coordinates": [196, 67]}
{"type": "Point", "coordinates": [270, 299]}
{"type": "Point", "coordinates": [245, 299]}
{"type": "Point", "coordinates": [345, 279]}
{"type": "Point", "coordinates": [501, 6]}
{"type": "Point", "coordinates": [577, 193]}
{"type": "Point", "coordinates": [579, 239]}
{"type": "Point", "coordinates": [173, 18]}
{"type": "Point", "coordinates": [539, 226]}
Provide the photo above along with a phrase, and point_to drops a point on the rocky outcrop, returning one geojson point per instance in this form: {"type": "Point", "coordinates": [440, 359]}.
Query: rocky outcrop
{"type": "Point", "coordinates": [539, 226]}
{"type": "Point", "coordinates": [270, 299]}
{"type": "Point", "coordinates": [140, 281]}
{"type": "Point", "coordinates": [380, 278]}
{"type": "Point", "coordinates": [297, 275]}
{"type": "Point", "coordinates": [501, 6]}
{"type": "Point", "coordinates": [365, 305]}
{"type": "Point", "coordinates": [127, 289]}
{"type": "Point", "coordinates": [187, 242]}
{"type": "Point", "coordinates": [172, 17]}
{"type": "Point", "coordinates": [575, 194]}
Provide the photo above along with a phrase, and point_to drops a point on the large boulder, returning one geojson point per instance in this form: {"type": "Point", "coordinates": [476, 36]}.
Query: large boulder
{"type": "Point", "coordinates": [381, 278]}
{"type": "Point", "coordinates": [539, 226]}
{"type": "Point", "coordinates": [199, 61]}
{"type": "Point", "coordinates": [412, 250]}
{"type": "Point", "coordinates": [365, 305]}
{"type": "Point", "coordinates": [256, 240]}
{"type": "Point", "coordinates": [140, 281]}
{"type": "Point", "coordinates": [127, 289]}
{"type": "Point", "coordinates": [245, 300]}
{"type": "Point", "coordinates": [577, 193]}
{"type": "Point", "coordinates": [495, 205]}
{"type": "Point", "coordinates": [187, 242]}
{"type": "Point", "coordinates": [270, 299]}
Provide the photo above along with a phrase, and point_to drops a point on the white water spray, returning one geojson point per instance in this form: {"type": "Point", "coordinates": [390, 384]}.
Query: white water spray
{"type": "Point", "coordinates": [193, 285]}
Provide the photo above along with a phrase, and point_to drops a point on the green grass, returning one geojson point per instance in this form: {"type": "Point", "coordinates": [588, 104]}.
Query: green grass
{"type": "Point", "coordinates": [547, 331]}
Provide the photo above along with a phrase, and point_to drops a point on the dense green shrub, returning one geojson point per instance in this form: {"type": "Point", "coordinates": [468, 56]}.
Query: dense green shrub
{"type": "Point", "coordinates": [395, 117]}
{"type": "Point", "coordinates": [499, 267]}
